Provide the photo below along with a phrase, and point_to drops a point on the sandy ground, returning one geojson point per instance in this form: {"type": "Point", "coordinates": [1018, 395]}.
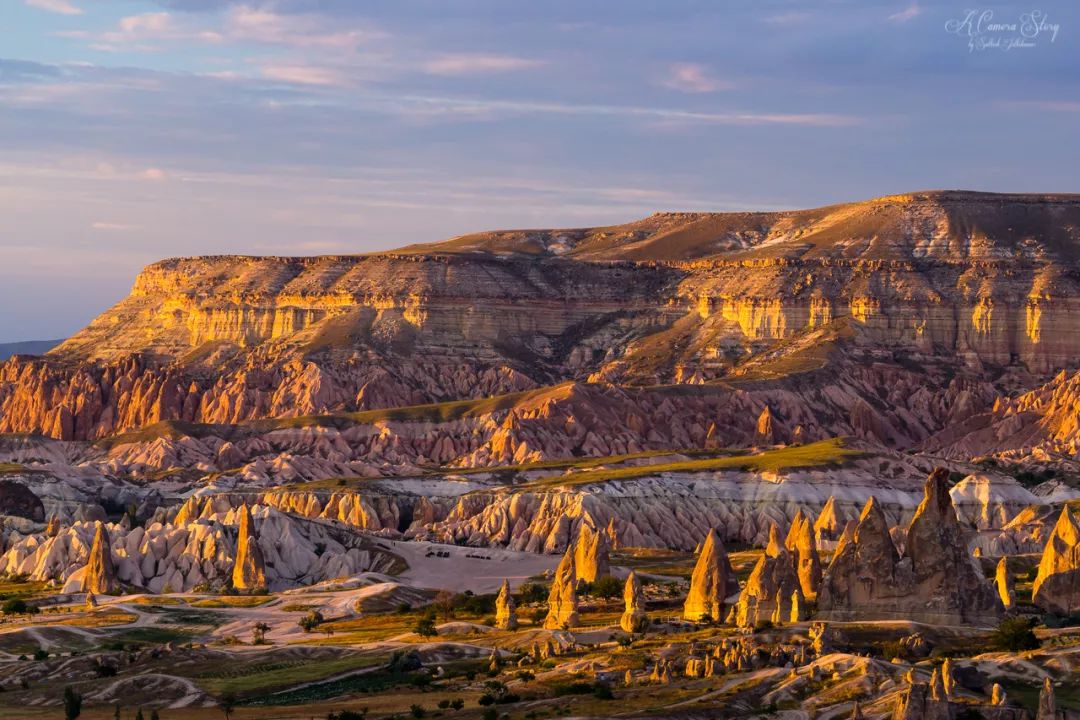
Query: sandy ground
{"type": "Point", "coordinates": [481, 570]}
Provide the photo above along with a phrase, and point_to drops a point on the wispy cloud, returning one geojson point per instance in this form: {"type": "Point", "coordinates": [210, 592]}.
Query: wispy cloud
{"type": "Point", "coordinates": [112, 226]}
{"type": "Point", "coordinates": [304, 74]}
{"type": "Point", "coordinates": [911, 12]}
{"type": "Point", "coordinates": [61, 7]}
{"type": "Point", "coordinates": [478, 64]}
{"type": "Point", "coordinates": [693, 78]}
{"type": "Point", "coordinates": [428, 105]}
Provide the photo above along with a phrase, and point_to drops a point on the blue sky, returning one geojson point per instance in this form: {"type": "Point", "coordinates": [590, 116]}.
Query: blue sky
{"type": "Point", "coordinates": [136, 130]}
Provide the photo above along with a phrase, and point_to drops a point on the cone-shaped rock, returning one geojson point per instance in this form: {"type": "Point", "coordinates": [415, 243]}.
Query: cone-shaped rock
{"type": "Point", "coordinates": [505, 610]}
{"type": "Point", "coordinates": [562, 600]}
{"type": "Point", "coordinates": [249, 572]}
{"type": "Point", "coordinates": [770, 587]}
{"type": "Point", "coordinates": [1003, 579]}
{"type": "Point", "coordinates": [830, 522]}
{"type": "Point", "coordinates": [1047, 702]}
{"type": "Point", "coordinates": [633, 617]}
{"type": "Point", "coordinates": [801, 544]}
{"type": "Point", "coordinates": [1057, 586]}
{"type": "Point", "coordinates": [936, 582]}
{"type": "Point", "coordinates": [997, 695]}
{"type": "Point", "coordinates": [712, 582]}
{"type": "Point", "coordinates": [765, 428]}
{"type": "Point", "coordinates": [948, 580]}
{"type": "Point", "coordinates": [100, 577]}
{"type": "Point", "coordinates": [591, 553]}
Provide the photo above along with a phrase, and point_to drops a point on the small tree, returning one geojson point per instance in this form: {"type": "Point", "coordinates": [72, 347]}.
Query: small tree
{"type": "Point", "coordinates": [14, 606]}
{"type": "Point", "coordinates": [607, 587]}
{"type": "Point", "coordinates": [227, 703]}
{"type": "Point", "coordinates": [72, 703]}
{"type": "Point", "coordinates": [139, 715]}
{"type": "Point", "coordinates": [425, 627]}
{"type": "Point", "coordinates": [258, 633]}
{"type": "Point", "coordinates": [444, 600]}
{"type": "Point", "coordinates": [1015, 635]}
{"type": "Point", "coordinates": [116, 712]}
{"type": "Point", "coordinates": [154, 715]}
{"type": "Point", "coordinates": [311, 621]}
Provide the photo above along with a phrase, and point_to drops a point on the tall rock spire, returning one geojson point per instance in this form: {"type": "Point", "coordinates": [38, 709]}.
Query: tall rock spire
{"type": "Point", "coordinates": [249, 571]}
{"type": "Point", "coordinates": [633, 618]}
{"type": "Point", "coordinates": [1057, 586]}
{"type": "Point", "coordinates": [505, 609]}
{"type": "Point", "coordinates": [591, 552]}
{"type": "Point", "coordinates": [100, 578]}
{"type": "Point", "coordinates": [713, 581]}
{"type": "Point", "coordinates": [562, 600]}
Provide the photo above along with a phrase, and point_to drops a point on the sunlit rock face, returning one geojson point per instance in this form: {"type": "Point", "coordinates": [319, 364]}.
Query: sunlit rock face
{"type": "Point", "coordinates": [711, 583]}
{"type": "Point", "coordinates": [1057, 586]}
{"type": "Point", "coordinates": [674, 298]}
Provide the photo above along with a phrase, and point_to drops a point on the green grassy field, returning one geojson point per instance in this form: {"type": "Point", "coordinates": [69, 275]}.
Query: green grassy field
{"type": "Point", "coordinates": [819, 454]}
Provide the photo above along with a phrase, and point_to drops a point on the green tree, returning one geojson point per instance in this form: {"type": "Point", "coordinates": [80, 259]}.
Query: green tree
{"type": "Point", "coordinates": [72, 703]}
{"type": "Point", "coordinates": [607, 587]}
{"type": "Point", "coordinates": [311, 621]}
{"type": "Point", "coordinates": [425, 627]}
{"type": "Point", "coordinates": [1015, 635]}
{"type": "Point", "coordinates": [227, 703]}
{"type": "Point", "coordinates": [139, 715]}
{"type": "Point", "coordinates": [14, 606]}
{"type": "Point", "coordinates": [154, 715]}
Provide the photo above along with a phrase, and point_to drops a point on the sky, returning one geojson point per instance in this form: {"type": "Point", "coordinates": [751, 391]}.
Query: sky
{"type": "Point", "coordinates": [134, 130]}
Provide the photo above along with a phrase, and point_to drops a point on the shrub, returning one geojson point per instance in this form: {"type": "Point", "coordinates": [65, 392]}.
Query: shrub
{"type": "Point", "coordinates": [311, 621]}
{"type": "Point", "coordinates": [607, 588]}
{"type": "Point", "coordinates": [1014, 635]}
{"type": "Point", "coordinates": [41, 654]}
{"type": "Point", "coordinates": [425, 627]}
{"type": "Point", "coordinates": [72, 703]}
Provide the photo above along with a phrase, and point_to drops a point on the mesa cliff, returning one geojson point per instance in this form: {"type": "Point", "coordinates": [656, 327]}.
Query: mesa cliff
{"type": "Point", "coordinates": [965, 281]}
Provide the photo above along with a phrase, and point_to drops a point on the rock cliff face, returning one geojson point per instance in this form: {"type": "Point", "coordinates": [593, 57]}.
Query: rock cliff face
{"type": "Point", "coordinates": [772, 590]}
{"type": "Point", "coordinates": [970, 279]}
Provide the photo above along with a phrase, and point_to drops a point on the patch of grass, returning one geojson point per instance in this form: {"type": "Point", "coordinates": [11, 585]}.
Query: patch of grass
{"type": "Point", "coordinates": [105, 617]}
{"type": "Point", "coordinates": [819, 454]}
{"type": "Point", "coordinates": [149, 636]}
{"type": "Point", "coordinates": [8, 468]}
{"type": "Point", "coordinates": [232, 601]}
{"type": "Point", "coordinates": [261, 679]}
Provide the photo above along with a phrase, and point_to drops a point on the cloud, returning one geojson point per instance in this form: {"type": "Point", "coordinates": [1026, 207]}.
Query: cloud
{"type": "Point", "coordinates": [430, 106]}
{"type": "Point", "coordinates": [102, 225]}
{"type": "Point", "coordinates": [909, 13]}
{"type": "Point", "coordinates": [61, 7]}
{"type": "Point", "coordinates": [304, 74]}
{"type": "Point", "coordinates": [1045, 105]}
{"type": "Point", "coordinates": [692, 78]}
{"type": "Point", "coordinates": [154, 174]}
{"type": "Point", "coordinates": [477, 64]}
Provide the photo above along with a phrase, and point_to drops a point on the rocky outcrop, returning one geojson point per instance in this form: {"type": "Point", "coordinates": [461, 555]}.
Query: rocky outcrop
{"type": "Point", "coordinates": [633, 619]}
{"type": "Point", "coordinates": [200, 553]}
{"type": "Point", "coordinates": [100, 576]}
{"type": "Point", "coordinates": [249, 571]}
{"type": "Point", "coordinates": [936, 581]}
{"type": "Point", "coordinates": [505, 609]}
{"type": "Point", "coordinates": [771, 587]}
{"type": "Point", "coordinates": [1057, 586]}
{"type": "Point", "coordinates": [711, 583]}
{"type": "Point", "coordinates": [947, 580]}
{"type": "Point", "coordinates": [562, 598]}
{"type": "Point", "coordinates": [917, 702]}
{"type": "Point", "coordinates": [18, 500]}
{"type": "Point", "coordinates": [591, 554]}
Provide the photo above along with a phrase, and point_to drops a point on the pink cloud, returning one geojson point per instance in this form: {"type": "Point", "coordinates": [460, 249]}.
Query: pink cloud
{"type": "Point", "coordinates": [61, 7]}
{"type": "Point", "coordinates": [475, 64]}
{"type": "Point", "coordinates": [693, 78]}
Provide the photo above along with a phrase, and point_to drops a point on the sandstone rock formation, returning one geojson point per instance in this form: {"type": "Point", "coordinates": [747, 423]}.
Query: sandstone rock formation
{"type": "Point", "coordinates": [633, 619]}
{"type": "Point", "coordinates": [249, 571]}
{"type": "Point", "coordinates": [591, 553]}
{"type": "Point", "coordinates": [1003, 579]}
{"type": "Point", "coordinates": [562, 599]}
{"type": "Point", "coordinates": [505, 609]}
{"type": "Point", "coordinates": [936, 581]}
{"type": "Point", "coordinates": [769, 590]}
{"type": "Point", "coordinates": [801, 543]}
{"type": "Point", "coordinates": [711, 583]}
{"type": "Point", "coordinates": [918, 703]}
{"type": "Point", "coordinates": [1047, 709]}
{"type": "Point", "coordinates": [1057, 586]}
{"type": "Point", "coordinates": [100, 576]}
